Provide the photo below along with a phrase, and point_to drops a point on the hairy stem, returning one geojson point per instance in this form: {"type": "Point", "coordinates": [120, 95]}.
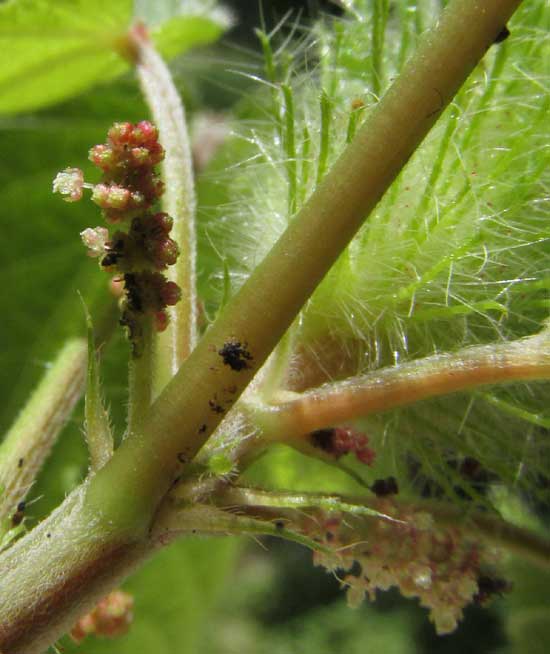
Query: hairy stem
{"type": "Point", "coordinates": [96, 417]}
{"type": "Point", "coordinates": [297, 414]}
{"type": "Point", "coordinates": [29, 441]}
{"type": "Point", "coordinates": [173, 521]}
{"type": "Point", "coordinates": [76, 558]}
{"type": "Point", "coordinates": [141, 379]}
{"type": "Point", "coordinates": [206, 386]}
{"type": "Point", "coordinates": [176, 342]}
{"type": "Point", "coordinates": [490, 528]}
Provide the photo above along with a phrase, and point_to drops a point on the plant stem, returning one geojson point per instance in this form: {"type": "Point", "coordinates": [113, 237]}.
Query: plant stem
{"type": "Point", "coordinates": [257, 497]}
{"type": "Point", "coordinates": [97, 426]}
{"type": "Point", "coordinates": [176, 342]}
{"type": "Point", "coordinates": [29, 441]}
{"type": "Point", "coordinates": [480, 525]}
{"type": "Point", "coordinates": [517, 540]}
{"type": "Point", "coordinates": [207, 519]}
{"type": "Point", "coordinates": [204, 388]}
{"type": "Point", "coordinates": [141, 378]}
{"type": "Point", "coordinates": [522, 360]}
{"type": "Point", "coordinates": [72, 560]}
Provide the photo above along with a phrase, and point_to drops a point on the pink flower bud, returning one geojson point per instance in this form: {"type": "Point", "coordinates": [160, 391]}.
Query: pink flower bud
{"type": "Point", "coordinates": [111, 617]}
{"type": "Point", "coordinates": [95, 240]}
{"type": "Point", "coordinates": [69, 183]}
{"type": "Point", "coordinates": [146, 132]}
{"type": "Point", "coordinates": [102, 156]}
{"type": "Point", "coordinates": [166, 253]}
{"type": "Point", "coordinates": [161, 321]}
{"type": "Point", "coordinates": [120, 133]}
{"type": "Point", "coordinates": [170, 293]}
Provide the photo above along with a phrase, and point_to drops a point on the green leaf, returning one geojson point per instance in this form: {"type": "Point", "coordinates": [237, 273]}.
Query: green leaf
{"type": "Point", "coordinates": [59, 49]}
{"type": "Point", "coordinates": [185, 32]}
{"type": "Point", "coordinates": [177, 27]}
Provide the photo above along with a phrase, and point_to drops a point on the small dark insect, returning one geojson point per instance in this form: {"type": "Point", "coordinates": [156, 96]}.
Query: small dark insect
{"type": "Point", "coordinates": [385, 487]}
{"type": "Point", "coordinates": [323, 439]}
{"type": "Point", "coordinates": [502, 35]}
{"type": "Point", "coordinates": [490, 586]}
{"type": "Point", "coordinates": [109, 260]}
{"type": "Point", "coordinates": [133, 292]}
{"type": "Point", "coordinates": [17, 518]}
{"type": "Point", "coordinates": [279, 525]}
{"type": "Point", "coordinates": [20, 463]}
{"type": "Point", "coordinates": [216, 408]}
{"type": "Point", "coordinates": [115, 251]}
{"type": "Point", "coordinates": [202, 429]}
{"type": "Point", "coordinates": [177, 480]}
{"type": "Point", "coordinates": [235, 355]}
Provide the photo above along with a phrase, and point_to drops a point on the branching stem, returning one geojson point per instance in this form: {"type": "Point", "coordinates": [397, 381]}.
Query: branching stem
{"type": "Point", "coordinates": [205, 387]}
{"type": "Point", "coordinates": [526, 359]}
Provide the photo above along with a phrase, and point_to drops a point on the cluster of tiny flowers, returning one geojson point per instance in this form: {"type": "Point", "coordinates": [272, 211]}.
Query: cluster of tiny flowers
{"type": "Point", "coordinates": [337, 441]}
{"type": "Point", "coordinates": [110, 618]}
{"type": "Point", "coordinates": [441, 566]}
{"type": "Point", "coordinates": [141, 248]}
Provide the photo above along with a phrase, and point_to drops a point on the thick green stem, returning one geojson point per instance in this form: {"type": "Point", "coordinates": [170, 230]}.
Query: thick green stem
{"type": "Point", "coordinates": [141, 379]}
{"type": "Point", "coordinates": [206, 386]}
{"type": "Point", "coordinates": [28, 442]}
{"type": "Point", "coordinates": [297, 414]}
{"type": "Point", "coordinates": [177, 341]}
{"type": "Point", "coordinates": [72, 560]}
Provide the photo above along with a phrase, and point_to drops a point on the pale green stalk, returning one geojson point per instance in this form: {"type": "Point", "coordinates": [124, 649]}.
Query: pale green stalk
{"type": "Point", "coordinates": [176, 342]}
{"type": "Point", "coordinates": [97, 425]}
{"type": "Point", "coordinates": [526, 359]}
{"type": "Point", "coordinates": [142, 371]}
{"type": "Point", "coordinates": [173, 521]}
{"type": "Point", "coordinates": [481, 525]}
{"type": "Point", "coordinates": [30, 439]}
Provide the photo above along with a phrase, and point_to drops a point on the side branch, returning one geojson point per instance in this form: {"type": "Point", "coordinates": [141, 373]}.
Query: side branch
{"type": "Point", "coordinates": [479, 525]}
{"type": "Point", "coordinates": [527, 359]}
{"type": "Point", "coordinates": [28, 442]}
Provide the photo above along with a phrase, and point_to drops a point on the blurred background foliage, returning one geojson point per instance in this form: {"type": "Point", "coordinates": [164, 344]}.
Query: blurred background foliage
{"type": "Point", "coordinates": [200, 595]}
